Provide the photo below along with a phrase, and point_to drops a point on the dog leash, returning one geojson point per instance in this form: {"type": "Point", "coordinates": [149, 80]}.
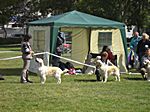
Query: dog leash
{"type": "Point", "coordinates": [17, 57]}
{"type": "Point", "coordinates": [71, 60]}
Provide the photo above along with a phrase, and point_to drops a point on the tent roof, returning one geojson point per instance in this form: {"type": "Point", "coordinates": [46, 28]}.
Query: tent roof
{"type": "Point", "coordinates": [76, 18]}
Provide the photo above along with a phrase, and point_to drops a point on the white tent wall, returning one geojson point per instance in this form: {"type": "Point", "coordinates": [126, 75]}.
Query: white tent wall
{"type": "Point", "coordinates": [118, 49]}
{"type": "Point", "coordinates": [80, 41]}
{"type": "Point", "coordinates": [40, 43]}
{"type": "Point", "coordinates": [117, 45]}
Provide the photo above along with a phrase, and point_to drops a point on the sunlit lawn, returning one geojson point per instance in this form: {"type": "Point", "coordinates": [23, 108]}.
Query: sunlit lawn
{"type": "Point", "coordinates": [77, 93]}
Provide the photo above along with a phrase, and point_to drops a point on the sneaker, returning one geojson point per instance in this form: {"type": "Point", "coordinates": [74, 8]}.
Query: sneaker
{"type": "Point", "coordinates": [1, 78]}
{"type": "Point", "coordinates": [23, 82]}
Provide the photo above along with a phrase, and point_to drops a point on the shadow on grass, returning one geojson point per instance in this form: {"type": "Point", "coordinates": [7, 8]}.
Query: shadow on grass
{"type": "Point", "coordinates": [9, 82]}
{"type": "Point", "coordinates": [85, 80]}
{"type": "Point", "coordinates": [10, 45]}
{"type": "Point", "coordinates": [6, 81]}
{"type": "Point", "coordinates": [133, 78]}
{"type": "Point", "coordinates": [13, 72]}
{"type": "Point", "coordinates": [92, 80]}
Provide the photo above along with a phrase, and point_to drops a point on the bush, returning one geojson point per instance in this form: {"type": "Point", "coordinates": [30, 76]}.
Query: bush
{"type": "Point", "coordinates": [10, 41]}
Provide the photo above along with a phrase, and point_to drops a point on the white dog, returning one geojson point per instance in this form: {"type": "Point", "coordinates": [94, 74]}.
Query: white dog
{"type": "Point", "coordinates": [44, 71]}
{"type": "Point", "coordinates": [107, 70]}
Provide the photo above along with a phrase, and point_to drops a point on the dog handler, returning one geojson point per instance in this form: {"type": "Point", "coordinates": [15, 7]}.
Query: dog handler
{"type": "Point", "coordinates": [27, 54]}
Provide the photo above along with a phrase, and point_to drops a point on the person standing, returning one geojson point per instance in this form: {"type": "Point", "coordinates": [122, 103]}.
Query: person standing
{"type": "Point", "coordinates": [143, 66]}
{"type": "Point", "coordinates": [27, 54]}
{"type": "Point", "coordinates": [133, 46]}
{"type": "Point", "coordinates": [142, 44]}
{"type": "Point", "coordinates": [59, 49]}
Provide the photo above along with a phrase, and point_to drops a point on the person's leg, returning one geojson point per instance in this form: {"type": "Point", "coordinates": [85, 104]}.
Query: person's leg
{"type": "Point", "coordinates": [97, 75]}
{"type": "Point", "coordinates": [27, 77]}
{"type": "Point", "coordinates": [27, 72]}
{"type": "Point", "coordinates": [136, 61]}
{"type": "Point", "coordinates": [140, 59]}
{"type": "Point", "coordinates": [26, 64]}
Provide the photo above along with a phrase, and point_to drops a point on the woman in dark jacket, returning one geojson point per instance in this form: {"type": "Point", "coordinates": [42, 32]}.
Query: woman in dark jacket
{"type": "Point", "coordinates": [142, 45]}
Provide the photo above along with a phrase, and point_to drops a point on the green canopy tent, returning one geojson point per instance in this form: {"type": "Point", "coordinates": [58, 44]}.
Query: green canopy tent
{"type": "Point", "coordinates": [76, 19]}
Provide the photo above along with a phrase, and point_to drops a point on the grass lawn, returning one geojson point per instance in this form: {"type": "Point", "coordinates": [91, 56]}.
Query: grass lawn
{"type": "Point", "coordinates": [80, 93]}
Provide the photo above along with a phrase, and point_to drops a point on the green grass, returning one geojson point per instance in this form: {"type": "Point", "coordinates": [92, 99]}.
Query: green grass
{"type": "Point", "coordinates": [10, 47]}
{"type": "Point", "coordinates": [77, 93]}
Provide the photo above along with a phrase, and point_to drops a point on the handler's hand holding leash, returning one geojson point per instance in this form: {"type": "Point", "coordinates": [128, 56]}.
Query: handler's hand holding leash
{"type": "Point", "coordinates": [32, 53]}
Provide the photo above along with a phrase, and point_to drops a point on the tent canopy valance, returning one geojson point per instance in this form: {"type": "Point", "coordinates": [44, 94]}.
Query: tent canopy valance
{"type": "Point", "coordinates": [76, 18]}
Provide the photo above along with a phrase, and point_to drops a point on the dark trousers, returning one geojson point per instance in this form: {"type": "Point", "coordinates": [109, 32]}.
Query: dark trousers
{"type": "Point", "coordinates": [97, 73]}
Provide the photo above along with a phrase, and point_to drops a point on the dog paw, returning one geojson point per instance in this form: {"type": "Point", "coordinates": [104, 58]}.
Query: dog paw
{"type": "Point", "coordinates": [42, 82]}
{"type": "Point", "coordinates": [58, 82]}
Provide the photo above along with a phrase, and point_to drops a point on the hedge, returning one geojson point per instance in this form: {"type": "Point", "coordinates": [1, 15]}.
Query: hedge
{"type": "Point", "coordinates": [10, 41]}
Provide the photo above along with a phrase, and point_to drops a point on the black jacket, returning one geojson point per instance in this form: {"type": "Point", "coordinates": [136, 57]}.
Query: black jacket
{"type": "Point", "coordinates": [141, 47]}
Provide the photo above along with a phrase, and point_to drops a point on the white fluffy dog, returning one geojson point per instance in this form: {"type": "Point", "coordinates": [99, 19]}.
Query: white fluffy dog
{"type": "Point", "coordinates": [44, 71]}
{"type": "Point", "coordinates": [107, 70]}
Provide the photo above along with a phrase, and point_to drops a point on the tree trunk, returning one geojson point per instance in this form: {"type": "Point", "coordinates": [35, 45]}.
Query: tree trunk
{"type": "Point", "coordinates": [5, 32]}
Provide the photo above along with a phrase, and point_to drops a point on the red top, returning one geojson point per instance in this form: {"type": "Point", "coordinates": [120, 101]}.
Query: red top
{"type": "Point", "coordinates": [110, 56]}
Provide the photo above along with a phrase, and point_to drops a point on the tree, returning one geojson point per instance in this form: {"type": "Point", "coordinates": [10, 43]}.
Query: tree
{"type": "Point", "coordinates": [111, 9]}
{"type": "Point", "coordinates": [140, 13]}
{"type": "Point", "coordinates": [6, 11]}
{"type": "Point", "coordinates": [23, 10]}
{"type": "Point", "coordinates": [131, 12]}
{"type": "Point", "coordinates": [55, 6]}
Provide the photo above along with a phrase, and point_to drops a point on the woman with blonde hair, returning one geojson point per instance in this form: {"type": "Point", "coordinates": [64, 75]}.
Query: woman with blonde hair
{"type": "Point", "coordinates": [143, 44]}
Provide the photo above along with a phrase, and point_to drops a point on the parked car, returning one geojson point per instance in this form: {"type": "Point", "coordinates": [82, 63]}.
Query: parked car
{"type": "Point", "coordinates": [17, 35]}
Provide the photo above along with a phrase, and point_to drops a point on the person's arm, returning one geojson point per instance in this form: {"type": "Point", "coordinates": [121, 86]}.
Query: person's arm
{"type": "Point", "coordinates": [132, 44]}
{"type": "Point", "coordinates": [110, 63]}
{"type": "Point", "coordinates": [25, 48]}
{"type": "Point", "coordinates": [110, 56]}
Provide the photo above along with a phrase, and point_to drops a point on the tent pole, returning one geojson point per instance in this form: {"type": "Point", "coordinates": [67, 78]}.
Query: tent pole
{"type": "Point", "coordinates": [89, 42]}
{"type": "Point", "coordinates": [53, 39]}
